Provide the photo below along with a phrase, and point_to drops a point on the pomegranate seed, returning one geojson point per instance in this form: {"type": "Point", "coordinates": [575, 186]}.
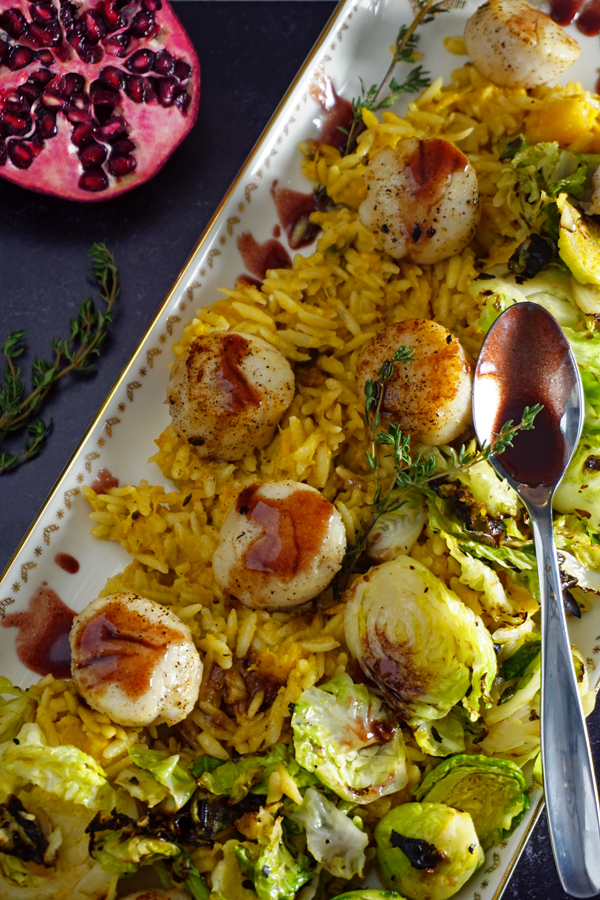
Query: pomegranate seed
{"type": "Point", "coordinates": [82, 134]}
{"type": "Point", "coordinates": [93, 180]}
{"type": "Point", "coordinates": [46, 123]}
{"type": "Point", "coordinates": [19, 57]}
{"type": "Point", "coordinates": [88, 53]}
{"type": "Point", "coordinates": [111, 14]}
{"type": "Point", "coordinates": [20, 154]}
{"type": "Point", "coordinates": [15, 122]}
{"type": "Point", "coordinates": [183, 71]}
{"type": "Point", "coordinates": [117, 44]}
{"type": "Point", "coordinates": [67, 14]}
{"type": "Point", "coordinates": [102, 95]}
{"type": "Point", "coordinates": [113, 77]}
{"type": "Point", "coordinates": [30, 92]}
{"type": "Point", "coordinates": [52, 99]}
{"type": "Point", "coordinates": [141, 61]}
{"type": "Point", "coordinates": [13, 100]}
{"type": "Point", "coordinates": [74, 83]}
{"type": "Point", "coordinates": [150, 94]}
{"type": "Point", "coordinates": [41, 76]}
{"type": "Point", "coordinates": [164, 63]}
{"type": "Point", "coordinates": [2, 153]}
{"type": "Point", "coordinates": [45, 57]}
{"type": "Point", "coordinates": [44, 37]}
{"type": "Point", "coordinates": [80, 102]}
{"type": "Point", "coordinates": [112, 129]}
{"type": "Point", "coordinates": [182, 99]}
{"type": "Point", "coordinates": [14, 22]}
{"type": "Point", "coordinates": [92, 26]}
{"type": "Point", "coordinates": [135, 88]}
{"type": "Point", "coordinates": [143, 24]}
{"type": "Point", "coordinates": [121, 165]}
{"type": "Point", "coordinates": [123, 147]}
{"type": "Point", "coordinates": [77, 116]}
{"type": "Point", "coordinates": [152, 5]}
{"type": "Point", "coordinates": [92, 155]}
{"type": "Point", "coordinates": [43, 13]}
{"type": "Point", "coordinates": [36, 144]}
{"type": "Point", "coordinates": [3, 51]}
{"type": "Point", "coordinates": [166, 90]}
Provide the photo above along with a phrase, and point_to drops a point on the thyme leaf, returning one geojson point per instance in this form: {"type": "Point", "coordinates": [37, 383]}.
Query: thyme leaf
{"type": "Point", "coordinates": [77, 352]}
{"type": "Point", "coordinates": [404, 50]}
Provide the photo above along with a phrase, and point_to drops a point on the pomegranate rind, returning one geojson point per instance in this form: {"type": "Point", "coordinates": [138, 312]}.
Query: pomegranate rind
{"type": "Point", "coordinates": [155, 129]}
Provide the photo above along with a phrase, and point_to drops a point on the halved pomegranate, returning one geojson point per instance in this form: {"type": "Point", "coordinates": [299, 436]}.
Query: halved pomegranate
{"type": "Point", "coordinates": [94, 96]}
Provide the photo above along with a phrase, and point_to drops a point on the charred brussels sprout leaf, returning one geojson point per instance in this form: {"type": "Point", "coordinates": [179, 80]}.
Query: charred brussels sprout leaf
{"type": "Point", "coordinates": [427, 851]}
{"type": "Point", "coordinates": [491, 790]}
{"type": "Point", "coordinates": [20, 833]}
{"type": "Point", "coordinates": [420, 854]}
{"type": "Point", "coordinates": [531, 256]}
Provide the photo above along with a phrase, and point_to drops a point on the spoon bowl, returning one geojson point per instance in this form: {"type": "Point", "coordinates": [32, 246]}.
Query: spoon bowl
{"type": "Point", "coordinates": [526, 360]}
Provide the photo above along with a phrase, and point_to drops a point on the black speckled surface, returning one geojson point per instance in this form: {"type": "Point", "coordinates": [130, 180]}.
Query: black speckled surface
{"type": "Point", "coordinates": [249, 52]}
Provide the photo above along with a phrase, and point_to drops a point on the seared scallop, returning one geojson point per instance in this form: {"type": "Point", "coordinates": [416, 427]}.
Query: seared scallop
{"type": "Point", "coordinates": [280, 545]}
{"type": "Point", "coordinates": [515, 45]}
{"type": "Point", "coordinates": [422, 200]}
{"type": "Point", "coordinates": [430, 395]}
{"type": "Point", "coordinates": [228, 392]}
{"type": "Point", "coordinates": [134, 660]}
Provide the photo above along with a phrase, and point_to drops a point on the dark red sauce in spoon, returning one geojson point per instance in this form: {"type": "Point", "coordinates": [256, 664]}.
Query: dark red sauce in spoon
{"type": "Point", "coordinates": [526, 357]}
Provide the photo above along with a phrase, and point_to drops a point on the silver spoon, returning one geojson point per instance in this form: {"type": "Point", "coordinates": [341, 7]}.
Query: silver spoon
{"type": "Point", "coordinates": [526, 359]}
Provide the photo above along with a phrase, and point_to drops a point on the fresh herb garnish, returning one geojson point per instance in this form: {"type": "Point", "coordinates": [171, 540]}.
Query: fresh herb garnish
{"type": "Point", "coordinates": [410, 473]}
{"type": "Point", "coordinates": [75, 353]}
{"type": "Point", "coordinates": [404, 51]}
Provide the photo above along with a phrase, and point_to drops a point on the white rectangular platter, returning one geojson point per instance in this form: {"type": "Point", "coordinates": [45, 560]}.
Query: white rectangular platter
{"type": "Point", "coordinates": [355, 43]}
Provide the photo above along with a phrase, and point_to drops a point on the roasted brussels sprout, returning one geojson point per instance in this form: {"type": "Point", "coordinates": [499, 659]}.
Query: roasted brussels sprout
{"type": "Point", "coordinates": [352, 743]}
{"type": "Point", "coordinates": [491, 790]}
{"type": "Point", "coordinates": [419, 642]}
{"type": "Point", "coordinates": [427, 851]}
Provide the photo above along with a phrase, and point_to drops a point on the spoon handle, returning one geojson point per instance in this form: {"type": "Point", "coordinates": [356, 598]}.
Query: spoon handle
{"type": "Point", "coordinates": [569, 781]}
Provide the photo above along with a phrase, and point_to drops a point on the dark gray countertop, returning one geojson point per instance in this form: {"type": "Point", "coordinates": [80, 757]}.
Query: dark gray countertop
{"type": "Point", "coordinates": [250, 52]}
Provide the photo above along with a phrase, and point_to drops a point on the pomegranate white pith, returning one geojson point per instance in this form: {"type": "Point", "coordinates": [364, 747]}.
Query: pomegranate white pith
{"type": "Point", "coordinates": [95, 96]}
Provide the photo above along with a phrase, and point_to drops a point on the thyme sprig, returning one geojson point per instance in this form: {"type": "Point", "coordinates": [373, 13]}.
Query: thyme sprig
{"type": "Point", "coordinates": [410, 473]}
{"type": "Point", "coordinates": [77, 352]}
{"type": "Point", "coordinates": [404, 50]}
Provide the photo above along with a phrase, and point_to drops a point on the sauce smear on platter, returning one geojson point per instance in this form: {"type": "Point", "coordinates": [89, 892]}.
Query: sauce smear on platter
{"type": "Point", "coordinates": [585, 15]}
{"type": "Point", "coordinates": [337, 114]}
{"type": "Point", "coordinates": [103, 481]}
{"type": "Point", "coordinates": [67, 562]}
{"type": "Point", "coordinates": [259, 258]}
{"type": "Point", "coordinates": [293, 210]}
{"type": "Point", "coordinates": [43, 639]}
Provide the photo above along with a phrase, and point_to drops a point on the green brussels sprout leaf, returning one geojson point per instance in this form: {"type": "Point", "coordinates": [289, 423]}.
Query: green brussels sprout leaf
{"type": "Point", "coordinates": [492, 791]}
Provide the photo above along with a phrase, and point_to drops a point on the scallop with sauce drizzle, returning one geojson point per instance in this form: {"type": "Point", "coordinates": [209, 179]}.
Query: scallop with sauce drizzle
{"type": "Point", "coordinates": [280, 545]}
{"type": "Point", "coordinates": [515, 45]}
{"type": "Point", "coordinates": [227, 394]}
{"type": "Point", "coordinates": [134, 660]}
{"type": "Point", "coordinates": [429, 396]}
{"type": "Point", "coordinates": [422, 200]}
